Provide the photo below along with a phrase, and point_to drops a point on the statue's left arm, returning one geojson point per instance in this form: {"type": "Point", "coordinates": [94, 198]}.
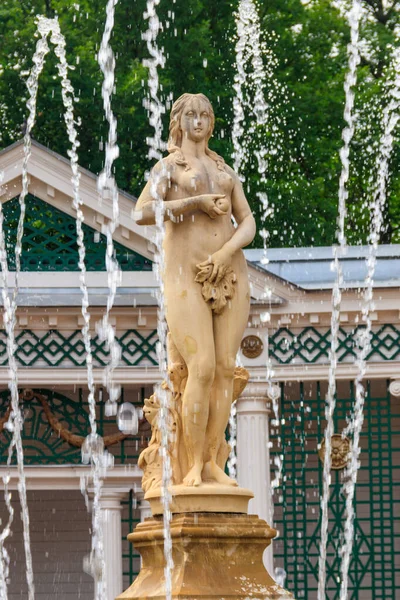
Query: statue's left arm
{"type": "Point", "coordinates": [246, 229]}
{"type": "Point", "coordinates": [243, 234]}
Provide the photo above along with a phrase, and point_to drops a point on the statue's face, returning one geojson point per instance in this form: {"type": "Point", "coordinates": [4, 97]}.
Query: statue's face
{"type": "Point", "coordinates": [195, 120]}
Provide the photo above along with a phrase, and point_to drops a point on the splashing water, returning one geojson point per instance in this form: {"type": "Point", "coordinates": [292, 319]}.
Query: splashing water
{"type": "Point", "coordinates": [354, 17]}
{"type": "Point", "coordinates": [250, 103]}
{"type": "Point", "coordinates": [248, 50]}
{"type": "Point", "coordinates": [92, 445]}
{"type": "Point", "coordinates": [155, 110]}
{"type": "Point", "coordinates": [258, 126]}
{"type": "Point", "coordinates": [4, 556]}
{"type": "Point", "coordinates": [99, 458]}
{"type": "Point", "coordinates": [15, 422]}
{"type": "Point", "coordinates": [108, 188]}
{"type": "Point", "coordinates": [391, 116]}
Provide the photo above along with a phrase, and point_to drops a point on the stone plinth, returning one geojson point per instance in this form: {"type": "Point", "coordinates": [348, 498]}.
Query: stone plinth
{"type": "Point", "coordinates": [215, 556]}
{"type": "Point", "coordinates": [206, 498]}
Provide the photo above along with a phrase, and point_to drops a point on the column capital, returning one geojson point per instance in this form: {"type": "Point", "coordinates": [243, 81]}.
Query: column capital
{"type": "Point", "coordinates": [255, 389]}
{"type": "Point", "coordinates": [262, 389]}
{"type": "Point", "coordinates": [111, 498]}
{"type": "Point", "coordinates": [257, 397]}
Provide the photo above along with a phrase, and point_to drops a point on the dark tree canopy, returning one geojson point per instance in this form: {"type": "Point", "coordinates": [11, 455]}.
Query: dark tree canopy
{"type": "Point", "coordinates": [308, 39]}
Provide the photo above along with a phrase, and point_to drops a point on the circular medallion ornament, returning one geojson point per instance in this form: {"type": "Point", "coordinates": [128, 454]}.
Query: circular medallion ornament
{"type": "Point", "coordinates": [27, 395]}
{"type": "Point", "coordinates": [252, 346]}
{"type": "Point", "coordinates": [394, 388]}
{"type": "Point", "coordinates": [340, 451]}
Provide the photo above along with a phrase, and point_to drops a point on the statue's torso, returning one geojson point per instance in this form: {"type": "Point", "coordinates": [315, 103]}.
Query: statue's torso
{"type": "Point", "coordinates": [197, 236]}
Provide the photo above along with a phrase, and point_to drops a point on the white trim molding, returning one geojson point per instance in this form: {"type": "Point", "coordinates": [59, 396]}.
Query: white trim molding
{"type": "Point", "coordinates": [120, 478]}
{"type": "Point", "coordinates": [345, 371]}
{"type": "Point", "coordinates": [52, 376]}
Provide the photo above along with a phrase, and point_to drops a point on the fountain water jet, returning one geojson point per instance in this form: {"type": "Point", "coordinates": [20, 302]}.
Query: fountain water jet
{"type": "Point", "coordinates": [347, 135]}
{"type": "Point", "coordinates": [250, 103]}
{"type": "Point", "coordinates": [107, 185]}
{"type": "Point", "coordinates": [4, 556]}
{"type": "Point", "coordinates": [93, 445]}
{"type": "Point", "coordinates": [15, 422]}
{"type": "Point", "coordinates": [92, 448]}
{"type": "Point", "coordinates": [391, 117]}
{"type": "Point", "coordinates": [155, 144]}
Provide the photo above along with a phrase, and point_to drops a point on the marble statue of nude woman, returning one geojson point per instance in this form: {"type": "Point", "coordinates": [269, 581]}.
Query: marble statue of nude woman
{"type": "Point", "coordinates": [203, 251]}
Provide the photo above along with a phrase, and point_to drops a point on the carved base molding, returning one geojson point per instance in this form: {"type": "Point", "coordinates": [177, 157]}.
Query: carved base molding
{"type": "Point", "coordinates": [215, 556]}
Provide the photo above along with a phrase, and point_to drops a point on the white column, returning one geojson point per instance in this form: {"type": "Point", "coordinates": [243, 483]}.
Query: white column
{"type": "Point", "coordinates": [110, 503]}
{"type": "Point", "coordinates": [253, 464]}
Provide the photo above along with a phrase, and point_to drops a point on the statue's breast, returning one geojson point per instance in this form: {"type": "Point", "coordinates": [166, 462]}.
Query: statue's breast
{"type": "Point", "coordinates": [205, 181]}
{"type": "Point", "coordinates": [225, 181]}
{"type": "Point", "coordinates": [194, 182]}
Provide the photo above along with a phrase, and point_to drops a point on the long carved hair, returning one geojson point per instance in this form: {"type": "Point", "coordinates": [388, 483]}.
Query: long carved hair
{"type": "Point", "coordinates": [175, 132]}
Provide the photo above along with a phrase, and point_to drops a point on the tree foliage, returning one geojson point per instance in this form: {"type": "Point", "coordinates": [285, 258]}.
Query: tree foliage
{"type": "Point", "coordinates": [309, 41]}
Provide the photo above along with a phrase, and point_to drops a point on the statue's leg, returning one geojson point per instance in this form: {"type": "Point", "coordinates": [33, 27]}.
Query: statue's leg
{"type": "Point", "coordinates": [190, 323]}
{"type": "Point", "coordinates": [228, 331]}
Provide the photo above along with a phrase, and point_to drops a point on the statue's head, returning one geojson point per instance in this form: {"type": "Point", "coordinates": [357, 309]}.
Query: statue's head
{"type": "Point", "coordinates": [198, 104]}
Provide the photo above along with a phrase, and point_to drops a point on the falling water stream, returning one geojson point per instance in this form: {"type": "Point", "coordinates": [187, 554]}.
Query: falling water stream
{"type": "Point", "coordinates": [93, 447]}
{"type": "Point", "coordinates": [250, 104]}
{"type": "Point", "coordinates": [249, 99]}
{"type": "Point", "coordinates": [4, 556]}
{"type": "Point", "coordinates": [15, 422]}
{"type": "Point", "coordinates": [108, 188]}
{"type": "Point", "coordinates": [155, 109]}
{"type": "Point", "coordinates": [347, 136]}
{"type": "Point", "coordinates": [391, 117]}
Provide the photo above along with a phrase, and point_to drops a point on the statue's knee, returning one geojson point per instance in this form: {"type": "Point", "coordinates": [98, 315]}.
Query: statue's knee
{"type": "Point", "coordinates": [204, 371]}
{"type": "Point", "coordinates": [226, 367]}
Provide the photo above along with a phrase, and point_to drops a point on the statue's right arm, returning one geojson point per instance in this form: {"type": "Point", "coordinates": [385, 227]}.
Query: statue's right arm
{"type": "Point", "coordinates": [156, 190]}
{"type": "Point", "coordinates": [146, 205]}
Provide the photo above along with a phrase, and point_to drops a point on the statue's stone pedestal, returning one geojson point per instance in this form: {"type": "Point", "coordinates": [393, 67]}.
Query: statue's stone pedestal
{"type": "Point", "coordinates": [206, 498]}
{"type": "Point", "coordinates": [216, 556]}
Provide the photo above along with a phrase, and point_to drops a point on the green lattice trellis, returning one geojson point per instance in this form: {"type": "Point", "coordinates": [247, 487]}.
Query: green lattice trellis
{"type": "Point", "coordinates": [54, 348]}
{"type": "Point", "coordinates": [130, 556]}
{"type": "Point", "coordinates": [49, 242]}
{"type": "Point", "coordinates": [375, 560]}
{"type": "Point", "coordinates": [312, 345]}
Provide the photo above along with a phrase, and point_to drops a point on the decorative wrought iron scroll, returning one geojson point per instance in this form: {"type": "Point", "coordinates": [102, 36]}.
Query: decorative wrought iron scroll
{"type": "Point", "coordinates": [56, 424]}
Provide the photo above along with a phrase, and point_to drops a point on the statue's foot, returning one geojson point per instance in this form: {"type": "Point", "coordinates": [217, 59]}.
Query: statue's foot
{"type": "Point", "coordinates": [214, 472]}
{"type": "Point", "coordinates": [193, 478]}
